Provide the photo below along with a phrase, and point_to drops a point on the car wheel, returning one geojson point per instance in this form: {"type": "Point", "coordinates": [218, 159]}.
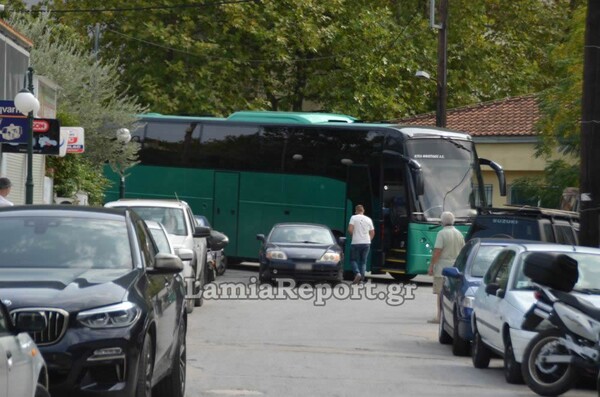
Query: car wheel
{"type": "Point", "coordinates": [190, 302]}
{"type": "Point", "coordinates": [41, 391]}
{"type": "Point", "coordinates": [443, 336]}
{"type": "Point", "coordinates": [512, 369]}
{"type": "Point", "coordinates": [262, 278]}
{"type": "Point", "coordinates": [460, 346]}
{"type": "Point", "coordinates": [348, 275]}
{"type": "Point", "coordinates": [480, 353]}
{"type": "Point", "coordinates": [174, 384]}
{"type": "Point", "coordinates": [145, 369]}
{"type": "Point", "coordinates": [199, 301]}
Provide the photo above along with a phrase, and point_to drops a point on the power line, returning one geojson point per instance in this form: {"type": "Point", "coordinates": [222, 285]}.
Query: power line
{"type": "Point", "coordinates": [125, 9]}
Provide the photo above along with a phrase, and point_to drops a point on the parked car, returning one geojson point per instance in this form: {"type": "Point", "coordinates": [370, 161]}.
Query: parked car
{"type": "Point", "coordinates": [527, 223]}
{"type": "Point", "coordinates": [217, 241]}
{"type": "Point", "coordinates": [161, 238]}
{"type": "Point", "coordinates": [22, 368]}
{"type": "Point", "coordinates": [114, 304]}
{"type": "Point", "coordinates": [506, 294]}
{"type": "Point", "coordinates": [458, 291]}
{"type": "Point", "coordinates": [184, 232]}
{"type": "Point", "coordinates": [300, 251]}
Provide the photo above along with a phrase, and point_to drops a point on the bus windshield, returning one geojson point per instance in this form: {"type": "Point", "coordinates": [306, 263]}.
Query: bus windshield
{"type": "Point", "coordinates": [449, 176]}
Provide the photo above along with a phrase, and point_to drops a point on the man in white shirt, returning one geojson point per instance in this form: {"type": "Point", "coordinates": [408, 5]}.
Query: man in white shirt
{"type": "Point", "coordinates": [362, 231]}
{"type": "Point", "coordinates": [5, 186]}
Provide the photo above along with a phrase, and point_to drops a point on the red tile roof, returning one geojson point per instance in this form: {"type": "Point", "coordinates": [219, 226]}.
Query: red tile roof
{"type": "Point", "coordinates": [515, 116]}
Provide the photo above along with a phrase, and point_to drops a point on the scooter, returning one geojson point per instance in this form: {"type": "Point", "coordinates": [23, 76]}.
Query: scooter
{"type": "Point", "coordinates": [567, 344]}
{"type": "Point", "coordinates": [216, 257]}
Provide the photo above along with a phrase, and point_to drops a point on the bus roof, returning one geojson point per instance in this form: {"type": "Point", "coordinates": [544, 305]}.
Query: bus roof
{"type": "Point", "coordinates": [290, 117]}
{"type": "Point", "coordinates": [307, 118]}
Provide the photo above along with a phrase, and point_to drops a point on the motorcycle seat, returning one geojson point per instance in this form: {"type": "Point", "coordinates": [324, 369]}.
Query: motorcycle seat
{"type": "Point", "coordinates": [578, 304]}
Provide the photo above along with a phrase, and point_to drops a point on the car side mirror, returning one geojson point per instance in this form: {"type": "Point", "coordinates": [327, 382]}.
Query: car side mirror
{"type": "Point", "coordinates": [201, 231]}
{"type": "Point", "coordinates": [260, 237]}
{"type": "Point", "coordinates": [494, 289]}
{"type": "Point", "coordinates": [31, 322]}
{"type": "Point", "coordinates": [167, 264]}
{"type": "Point", "coordinates": [342, 241]}
{"type": "Point", "coordinates": [451, 272]}
{"type": "Point", "coordinates": [185, 254]}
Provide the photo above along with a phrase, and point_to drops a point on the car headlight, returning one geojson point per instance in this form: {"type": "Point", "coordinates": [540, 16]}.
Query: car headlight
{"type": "Point", "coordinates": [114, 316]}
{"type": "Point", "coordinates": [330, 257]}
{"type": "Point", "coordinates": [276, 254]}
{"type": "Point", "coordinates": [468, 301]}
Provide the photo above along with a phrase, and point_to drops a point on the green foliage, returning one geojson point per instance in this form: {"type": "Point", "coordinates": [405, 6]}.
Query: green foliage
{"type": "Point", "coordinates": [356, 57]}
{"type": "Point", "coordinates": [89, 96]}
{"type": "Point", "coordinates": [548, 191]}
{"type": "Point", "coordinates": [561, 103]}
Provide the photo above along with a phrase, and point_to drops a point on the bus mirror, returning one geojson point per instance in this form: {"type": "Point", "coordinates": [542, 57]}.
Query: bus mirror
{"type": "Point", "coordinates": [499, 174]}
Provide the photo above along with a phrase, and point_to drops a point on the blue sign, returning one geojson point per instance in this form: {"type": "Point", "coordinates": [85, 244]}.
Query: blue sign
{"type": "Point", "coordinates": [14, 126]}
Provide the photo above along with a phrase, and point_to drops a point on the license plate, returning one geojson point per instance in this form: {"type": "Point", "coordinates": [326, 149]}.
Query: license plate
{"type": "Point", "coordinates": [303, 266]}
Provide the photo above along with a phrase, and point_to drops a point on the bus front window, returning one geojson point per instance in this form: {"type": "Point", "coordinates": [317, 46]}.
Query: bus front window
{"type": "Point", "coordinates": [450, 175]}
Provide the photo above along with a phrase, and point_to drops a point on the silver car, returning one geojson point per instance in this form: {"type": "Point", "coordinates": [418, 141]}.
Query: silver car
{"type": "Point", "coordinates": [22, 369]}
{"type": "Point", "coordinates": [183, 231]}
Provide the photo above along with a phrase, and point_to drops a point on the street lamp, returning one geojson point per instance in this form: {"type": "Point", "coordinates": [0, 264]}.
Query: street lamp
{"type": "Point", "coordinates": [123, 136]}
{"type": "Point", "coordinates": [440, 111]}
{"type": "Point", "coordinates": [27, 103]}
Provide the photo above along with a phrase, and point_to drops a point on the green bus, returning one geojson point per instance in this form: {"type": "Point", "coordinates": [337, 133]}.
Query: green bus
{"type": "Point", "coordinates": [251, 170]}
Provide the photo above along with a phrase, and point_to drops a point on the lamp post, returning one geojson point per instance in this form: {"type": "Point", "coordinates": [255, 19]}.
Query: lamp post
{"type": "Point", "coordinates": [123, 136]}
{"type": "Point", "coordinates": [27, 103]}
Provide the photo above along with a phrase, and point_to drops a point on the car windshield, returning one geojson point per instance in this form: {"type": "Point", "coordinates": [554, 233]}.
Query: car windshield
{"type": "Point", "coordinates": [301, 234]}
{"type": "Point", "coordinates": [588, 265]}
{"type": "Point", "coordinates": [172, 219]}
{"type": "Point", "coordinates": [161, 239]}
{"type": "Point", "coordinates": [64, 242]}
{"type": "Point", "coordinates": [483, 259]}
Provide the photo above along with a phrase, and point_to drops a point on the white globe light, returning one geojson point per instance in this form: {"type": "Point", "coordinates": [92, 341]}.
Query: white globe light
{"type": "Point", "coordinates": [123, 135]}
{"type": "Point", "coordinates": [26, 102]}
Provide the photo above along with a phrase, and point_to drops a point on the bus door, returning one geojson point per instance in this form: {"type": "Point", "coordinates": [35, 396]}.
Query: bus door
{"type": "Point", "coordinates": [226, 207]}
{"type": "Point", "coordinates": [395, 215]}
{"type": "Point", "coordinates": [358, 191]}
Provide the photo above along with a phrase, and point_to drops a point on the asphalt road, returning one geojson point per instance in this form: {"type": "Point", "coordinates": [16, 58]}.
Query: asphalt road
{"type": "Point", "coordinates": [331, 347]}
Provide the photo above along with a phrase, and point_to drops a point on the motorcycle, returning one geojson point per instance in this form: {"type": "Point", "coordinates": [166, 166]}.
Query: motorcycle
{"type": "Point", "coordinates": [568, 342]}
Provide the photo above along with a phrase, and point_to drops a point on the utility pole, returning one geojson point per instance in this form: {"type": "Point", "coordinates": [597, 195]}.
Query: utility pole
{"type": "Point", "coordinates": [442, 94]}
{"type": "Point", "coordinates": [589, 233]}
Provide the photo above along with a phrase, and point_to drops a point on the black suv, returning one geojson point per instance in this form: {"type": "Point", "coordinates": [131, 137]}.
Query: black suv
{"type": "Point", "coordinates": [527, 223]}
{"type": "Point", "coordinates": [115, 319]}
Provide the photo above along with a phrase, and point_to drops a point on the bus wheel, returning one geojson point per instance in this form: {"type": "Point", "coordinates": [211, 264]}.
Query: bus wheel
{"type": "Point", "coordinates": [402, 277]}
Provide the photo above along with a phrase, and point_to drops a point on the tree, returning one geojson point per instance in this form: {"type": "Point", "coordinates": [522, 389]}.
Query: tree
{"type": "Point", "coordinates": [89, 96]}
{"type": "Point", "coordinates": [355, 56]}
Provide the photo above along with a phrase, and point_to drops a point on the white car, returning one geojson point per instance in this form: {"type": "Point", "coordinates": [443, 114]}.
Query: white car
{"type": "Point", "coordinates": [22, 369]}
{"type": "Point", "coordinates": [506, 294]}
{"type": "Point", "coordinates": [184, 232]}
